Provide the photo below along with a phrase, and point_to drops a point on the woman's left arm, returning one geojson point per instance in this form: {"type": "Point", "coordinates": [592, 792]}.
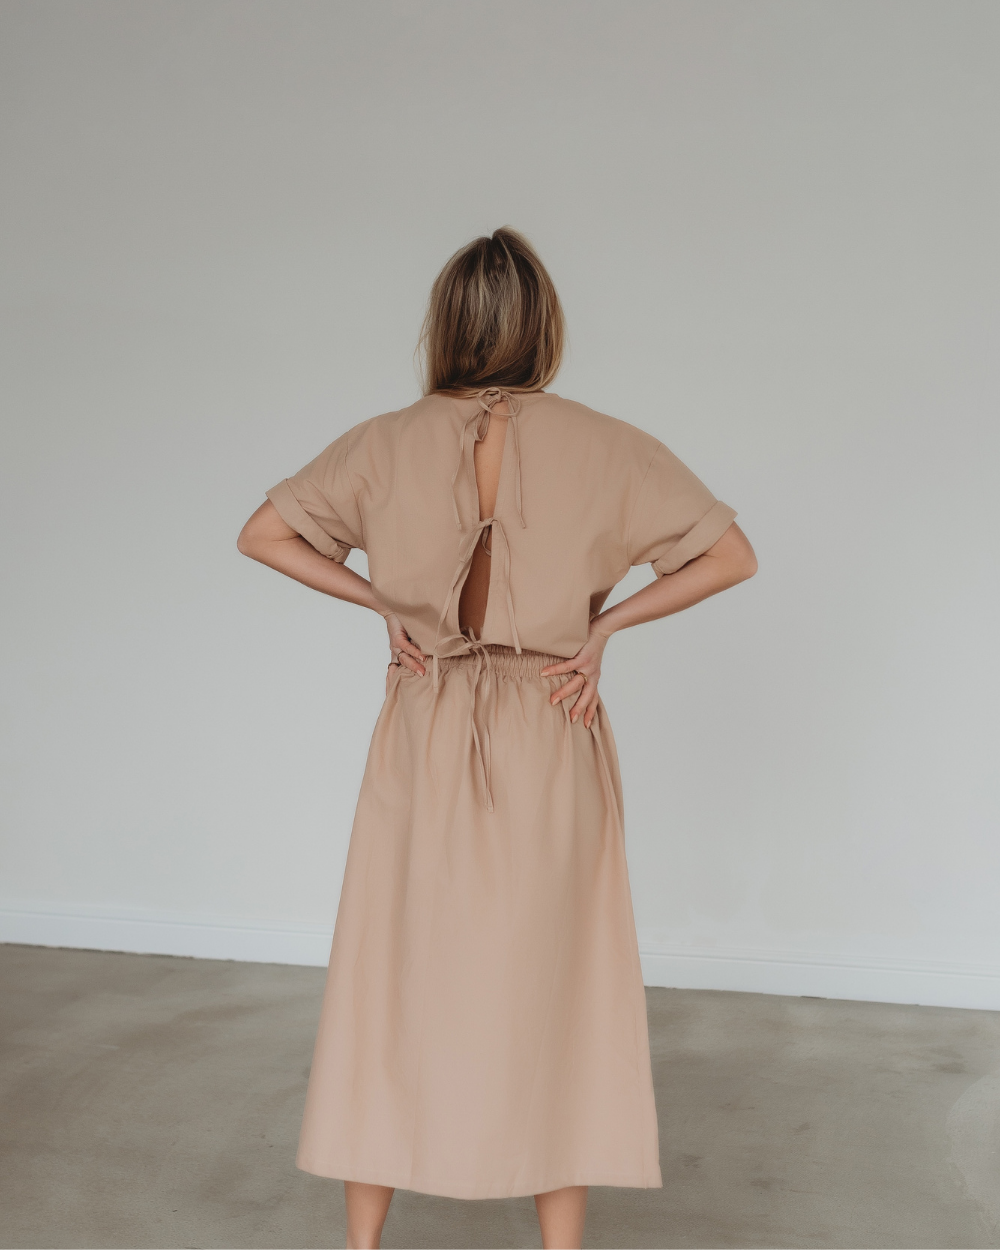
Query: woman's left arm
{"type": "Point", "coordinates": [731, 560]}
{"type": "Point", "coordinates": [267, 538]}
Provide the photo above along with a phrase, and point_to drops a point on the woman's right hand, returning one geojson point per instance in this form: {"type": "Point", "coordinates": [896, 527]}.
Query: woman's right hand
{"type": "Point", "coordinates": [402, 647]}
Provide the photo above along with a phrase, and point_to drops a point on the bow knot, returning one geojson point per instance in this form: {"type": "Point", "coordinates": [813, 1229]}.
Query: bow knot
{"type": "Point", "coordinates": [487, 399]}
{"type": "Point", "coordinates": [491, 395]}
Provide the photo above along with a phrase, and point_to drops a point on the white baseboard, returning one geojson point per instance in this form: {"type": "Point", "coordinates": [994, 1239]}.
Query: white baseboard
{"type": "Point", "coordinates": [749, 970]}
{"type": "Point", "coordinates": [930, 984]}
{"type": "Point", "coordinates": [165, 933]}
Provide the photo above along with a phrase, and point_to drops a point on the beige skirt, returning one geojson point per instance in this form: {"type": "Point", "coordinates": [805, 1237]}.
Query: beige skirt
{"type": "Point", "coordinates": [483, 1030]}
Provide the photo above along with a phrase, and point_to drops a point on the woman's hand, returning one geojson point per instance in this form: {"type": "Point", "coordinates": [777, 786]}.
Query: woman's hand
{"type": "Point", "coordinates": [587, 666]}
{"type": "Point", "coordinates": [729, 561]}
{"type": "Point", "coordinates": [402, 647]}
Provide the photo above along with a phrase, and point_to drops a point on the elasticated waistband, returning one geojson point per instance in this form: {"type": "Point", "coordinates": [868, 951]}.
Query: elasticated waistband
{"type": "Point", "coordinates": [504, 661]}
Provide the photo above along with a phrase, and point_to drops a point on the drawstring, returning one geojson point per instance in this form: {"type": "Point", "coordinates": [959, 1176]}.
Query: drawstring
{"type": "Point", "coordinates": [482, 747]}
{"type": "Point", "coordinates": [488, 398]}
{"type": "Point", "coordinates": [481, 744]}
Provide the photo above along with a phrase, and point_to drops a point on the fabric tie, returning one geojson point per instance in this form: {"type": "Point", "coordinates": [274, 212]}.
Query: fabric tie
{"type": "Point", "coordinates": [457, 643]}
{"type": "Point", "coordinates": [481, 742]}
{"type": "Point", "coordinates": [488, 398]}
{"type": "Point", "coordinates": [465, 560]}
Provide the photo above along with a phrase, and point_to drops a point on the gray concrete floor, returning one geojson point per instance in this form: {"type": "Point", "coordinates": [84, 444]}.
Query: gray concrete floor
{"type": "Point", "coordinates": [152, 1101]}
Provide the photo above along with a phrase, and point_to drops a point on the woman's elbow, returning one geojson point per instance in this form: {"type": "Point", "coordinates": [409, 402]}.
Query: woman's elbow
{"type": "Point", "coordinates": [737, 558]}
{"type": "Point", "coordinates": [248, 540]}
{"type": "Point", "coordinates": [748, 565]}
{"type": "Point", "coordinates": [262, 531]}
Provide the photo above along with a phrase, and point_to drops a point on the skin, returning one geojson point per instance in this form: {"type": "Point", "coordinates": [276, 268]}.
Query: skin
{"type": "Point", "coordinates": [269, 540]}
{"type": "Point", "coordinates": [561, 1215]}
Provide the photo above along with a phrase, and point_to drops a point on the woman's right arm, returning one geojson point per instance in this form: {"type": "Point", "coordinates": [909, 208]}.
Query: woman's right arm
{"type": "Point", "coordinates": [271, 541]}
{"type": "Point", "coordinates": [729, 561]}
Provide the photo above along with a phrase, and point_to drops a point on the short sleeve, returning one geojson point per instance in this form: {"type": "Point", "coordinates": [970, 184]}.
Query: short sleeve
{"type": "Point", "coordinates": [675, 516]}
{"type": "Point", "coordinates": [319, 502]}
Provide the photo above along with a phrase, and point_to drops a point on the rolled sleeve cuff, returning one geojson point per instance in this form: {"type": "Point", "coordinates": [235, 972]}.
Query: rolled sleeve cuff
{"type": "Point", "coordinates": [697, 540]}
{"type": "Point", "coordinates": [293, 514]}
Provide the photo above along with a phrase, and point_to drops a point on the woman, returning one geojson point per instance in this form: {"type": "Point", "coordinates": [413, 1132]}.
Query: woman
{"type": "Point", "coordinates": [483, 1031]}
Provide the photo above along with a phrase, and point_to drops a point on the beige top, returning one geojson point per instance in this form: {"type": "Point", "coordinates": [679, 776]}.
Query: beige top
{"type": "Point", "coordinates": [582, 497]}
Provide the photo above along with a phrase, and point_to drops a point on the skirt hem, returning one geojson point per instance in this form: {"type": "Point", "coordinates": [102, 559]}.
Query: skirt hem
{"type": "Point", "coordinates": [445, 1190]}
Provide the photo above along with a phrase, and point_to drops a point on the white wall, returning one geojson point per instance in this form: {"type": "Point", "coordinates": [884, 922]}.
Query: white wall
{"type": "Point", "coordinates": [773, 225]}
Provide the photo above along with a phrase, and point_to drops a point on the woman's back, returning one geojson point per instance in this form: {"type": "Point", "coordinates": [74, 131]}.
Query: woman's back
{"type": "Point", "coordinates": [580, 497]}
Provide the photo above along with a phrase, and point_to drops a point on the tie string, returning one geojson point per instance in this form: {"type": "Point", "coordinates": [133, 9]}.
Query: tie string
{"type": "Point", "coordinates": [487, 399]}
{"type": "Point", "coordinates": [457, 643]}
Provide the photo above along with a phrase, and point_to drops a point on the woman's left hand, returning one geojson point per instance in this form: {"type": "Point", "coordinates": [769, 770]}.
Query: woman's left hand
{"type": "Point", "coordinates": [587, 666]}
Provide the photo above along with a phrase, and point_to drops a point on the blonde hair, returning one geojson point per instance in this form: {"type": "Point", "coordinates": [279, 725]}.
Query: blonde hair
{"type": "Point", "coordinates": [493, 319]}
